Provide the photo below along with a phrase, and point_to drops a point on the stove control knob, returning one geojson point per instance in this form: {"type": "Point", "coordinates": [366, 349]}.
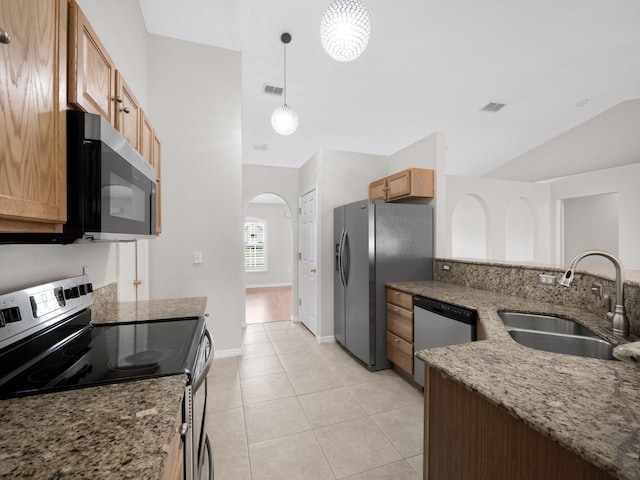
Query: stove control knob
{"type": "Point", "coordinates": [89, 287]}
{"type": "Point", "coordinates": [2, 322]}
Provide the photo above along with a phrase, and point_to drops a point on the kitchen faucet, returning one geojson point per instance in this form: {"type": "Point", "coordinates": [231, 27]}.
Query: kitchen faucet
{"type": "Point", "coordinates": [618, 318]}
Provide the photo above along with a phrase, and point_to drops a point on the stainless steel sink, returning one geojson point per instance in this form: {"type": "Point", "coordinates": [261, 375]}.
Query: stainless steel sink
{"type": "Point", "coordinates": [560, 343]}
{"type": "Point", "coordinates": [544, 323]}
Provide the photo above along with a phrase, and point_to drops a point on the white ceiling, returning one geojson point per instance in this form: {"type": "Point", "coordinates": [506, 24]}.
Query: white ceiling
{"type": "Point", "coordinates": [430, 65]}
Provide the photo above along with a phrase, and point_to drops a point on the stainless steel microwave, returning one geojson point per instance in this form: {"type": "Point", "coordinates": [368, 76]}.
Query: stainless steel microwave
{"type": "Point", "coordinates": [111, 188]}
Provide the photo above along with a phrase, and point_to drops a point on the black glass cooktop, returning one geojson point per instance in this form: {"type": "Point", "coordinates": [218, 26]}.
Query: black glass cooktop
{"type": "Point", "coordinates": [99, 354]}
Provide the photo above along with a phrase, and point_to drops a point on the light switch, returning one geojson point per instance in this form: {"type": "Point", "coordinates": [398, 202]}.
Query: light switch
{"type": "Point", "coordinates": [197, 257]}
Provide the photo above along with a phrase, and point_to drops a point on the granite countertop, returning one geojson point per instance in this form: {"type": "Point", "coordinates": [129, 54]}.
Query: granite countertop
{"type": "Point", "coordinates": [119, 431]}
{"type": "Point", "coordinates": [111, 432]}
{"type": "Point", "coordinates": [117, 312]}
{"type": "Point", "coordinates": [590, 406]}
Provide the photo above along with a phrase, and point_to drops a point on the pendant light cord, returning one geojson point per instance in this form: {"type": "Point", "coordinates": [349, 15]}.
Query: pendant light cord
{"type": "Point", "coordinates": [285, 73]}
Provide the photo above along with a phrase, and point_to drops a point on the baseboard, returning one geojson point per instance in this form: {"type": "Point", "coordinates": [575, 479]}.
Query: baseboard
{"type": "Point", "coordinates": [267, 285]}
{"type": "Point", "coordinates": [329, 339]}
{"type": "Point", "coordinates": [232, 352]}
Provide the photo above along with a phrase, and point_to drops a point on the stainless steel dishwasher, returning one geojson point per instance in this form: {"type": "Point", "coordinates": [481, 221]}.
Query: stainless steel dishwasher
{"type": "Point", "coordinates": [438, 324]}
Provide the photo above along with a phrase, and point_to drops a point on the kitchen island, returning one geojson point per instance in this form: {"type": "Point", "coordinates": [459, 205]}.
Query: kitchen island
{"type": "Point", "coordinates": [116, 431]}
{"type": "Point", "coordinates": [590, 407]}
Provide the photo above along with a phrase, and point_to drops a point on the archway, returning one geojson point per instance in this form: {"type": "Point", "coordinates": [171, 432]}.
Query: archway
{"type": "Point", "coordinates": [268, 238]}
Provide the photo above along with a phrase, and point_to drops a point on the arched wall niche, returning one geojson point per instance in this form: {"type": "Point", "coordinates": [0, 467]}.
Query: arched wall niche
{"type": "Point", "coordinates": [470, 222]}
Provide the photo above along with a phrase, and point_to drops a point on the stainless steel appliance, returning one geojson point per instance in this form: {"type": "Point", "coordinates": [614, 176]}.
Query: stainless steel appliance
{"type": "Point", "coordinates": [438, 324]}
{"type": "Point", "coordinates": [48, 343]}
{"type": "Point", "coordinates": [111, 188]}
{"type": "Point", "coordinates": [376, 243]}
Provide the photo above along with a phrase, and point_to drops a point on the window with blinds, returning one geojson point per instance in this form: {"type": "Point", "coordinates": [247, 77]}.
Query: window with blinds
{"type": "Point", "coordinates": [255, 255]}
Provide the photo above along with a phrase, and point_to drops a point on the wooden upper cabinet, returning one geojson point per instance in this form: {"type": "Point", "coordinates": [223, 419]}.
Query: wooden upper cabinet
{"type": "Point", "coordinates": [146, 138]}
{"type": "Point", "coordinates": [378, 189]}
{"type": "Point", "coordinates": [410, 184]}
{"type": "Point", "coordinates": [128, 112]}
{"type": "Point", "coordinates": [92, 73]}
{"type": "Point", "coordinates": [33, 70]}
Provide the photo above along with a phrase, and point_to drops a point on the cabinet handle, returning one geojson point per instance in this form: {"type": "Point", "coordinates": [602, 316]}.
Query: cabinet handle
{"type": "Point", "coordinates": [117, 99]}
{"type": "Point", "coordinates": [396, 309]}
{"type": "Point", "coordinates": [396, 294]}
{"type": "Point", "coordinates": [125, 110]}
{"type": "Point", "coordinates": [396, 339]}
{"type": "Point", "coordinates": [4, 36]}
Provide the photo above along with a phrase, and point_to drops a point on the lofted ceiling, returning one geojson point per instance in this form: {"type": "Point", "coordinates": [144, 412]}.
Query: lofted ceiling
{"type": "Point", "coordinates": [430, 65]}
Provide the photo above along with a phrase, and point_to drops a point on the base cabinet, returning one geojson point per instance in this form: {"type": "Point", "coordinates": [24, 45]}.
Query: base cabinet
{"type": "Point", "coordinates": [465, 436]}
{"type": "Point", "coordinates": [174, 468]}
{"type": "Point", "coordinates": [400, 346]}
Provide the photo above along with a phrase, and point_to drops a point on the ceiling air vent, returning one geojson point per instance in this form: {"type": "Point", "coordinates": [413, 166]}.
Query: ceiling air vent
{"type": "Point", "coordinates": [272, 90]}
{"type": "Point", "coordinates": [260, 147]}
{"type": "Point", "coordinates": [493, 107]}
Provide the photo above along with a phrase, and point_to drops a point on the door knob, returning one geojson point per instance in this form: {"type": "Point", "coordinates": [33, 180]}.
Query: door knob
{"type": "Point", "coordinates": [4, 36]}
{"type": "Point", "coordinates": [313, 270]}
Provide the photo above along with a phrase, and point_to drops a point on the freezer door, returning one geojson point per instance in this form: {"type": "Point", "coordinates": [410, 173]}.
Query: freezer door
{"type": "Point", "coordinates": [359, 268]}
{"type": "Point", "coordinates": [338, 276]}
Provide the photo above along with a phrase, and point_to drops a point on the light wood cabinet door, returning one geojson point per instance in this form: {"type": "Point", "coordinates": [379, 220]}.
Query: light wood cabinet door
{"type": "Point", "coordinates": [92, 72]}
{"type": "Point", "coordinates": [146, 138]}
{"type": "Point", "coordinates": [400, 322]}
{"type": "Point", "coordinates": [174, 467]}
{"type": "Point", "coordinates": [378, 189]}
{"type": "Point", "coordinates": [402, 299]}
{"type": "Point", "coordinates": [400, 352]}
{"type": "Point", "coordinates": [411, 183]}
{"type": "Point", "coordinates": [33, 115]}
{"type": "Point", "coordinates": [128, 121]}
{"type": "Point", "coordinates": [157, 164]}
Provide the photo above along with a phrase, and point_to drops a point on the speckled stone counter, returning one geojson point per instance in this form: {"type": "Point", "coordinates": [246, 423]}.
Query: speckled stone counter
{"type": "Point", "coordinates": [113, 312]}
{"type": "Point", "coordinates": [590, 406]}
{"type": "Point", "coordinates": [119, 431]}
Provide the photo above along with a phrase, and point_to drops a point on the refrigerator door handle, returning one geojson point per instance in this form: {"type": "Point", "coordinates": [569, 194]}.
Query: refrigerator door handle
{"type": "Point", "coordinates": [346, 258]}
{"type": "Point", "coordinates": [341, 258]}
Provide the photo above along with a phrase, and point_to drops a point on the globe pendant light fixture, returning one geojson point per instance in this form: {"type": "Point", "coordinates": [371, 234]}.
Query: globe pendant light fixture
{"type": "Point", "coordinates": [284, 119]}
{"type": "Point", "coordinates": [345, 29]}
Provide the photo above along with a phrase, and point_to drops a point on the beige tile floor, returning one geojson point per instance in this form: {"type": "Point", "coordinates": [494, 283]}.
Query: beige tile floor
{"type": "Point", "coordinates": [289, 408]}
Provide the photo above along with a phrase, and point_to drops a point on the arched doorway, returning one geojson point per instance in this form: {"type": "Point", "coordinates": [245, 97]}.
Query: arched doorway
{"type": "Point", "coordinates": [268, 237]}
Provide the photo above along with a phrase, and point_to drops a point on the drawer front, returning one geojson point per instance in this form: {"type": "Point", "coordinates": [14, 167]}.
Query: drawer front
{"type": "Point", "coordinates": [402, 299]}
{"type": "Point", "coordinates": [400, 322]}
{"type": "Point", "coordinates": [400, 353]}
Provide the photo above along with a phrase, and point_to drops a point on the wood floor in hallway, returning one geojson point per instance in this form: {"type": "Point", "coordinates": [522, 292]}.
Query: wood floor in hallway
{"type": "Point", "coordinates": [268, 304]}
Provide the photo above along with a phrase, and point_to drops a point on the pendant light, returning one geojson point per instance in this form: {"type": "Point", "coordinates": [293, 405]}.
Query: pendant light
{"type": "Point", "coordinates": [284, 119]}
{"type": "Point", "coordinates": [345, 29]}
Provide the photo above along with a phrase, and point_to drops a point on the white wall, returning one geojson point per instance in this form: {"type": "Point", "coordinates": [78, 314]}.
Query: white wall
{"type": "Point", "coordinates": [497, 197]}
{"type": "Point", "coordinates": [195, 103]}
{"type": "Point", "coordinates": [625, 181]}
{"type": "Point", "coordinates": [429, 152]}
{"type": "Point", "coordinates": [278, 240]}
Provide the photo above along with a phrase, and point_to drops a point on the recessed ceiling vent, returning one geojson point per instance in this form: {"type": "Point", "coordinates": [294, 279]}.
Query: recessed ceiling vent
{"type": "Point", "coordinates": [272, 90]}
{"type": "Point", "coordinates": [262, 147]}
{"type": "Point", "coordinates": [493, 107]}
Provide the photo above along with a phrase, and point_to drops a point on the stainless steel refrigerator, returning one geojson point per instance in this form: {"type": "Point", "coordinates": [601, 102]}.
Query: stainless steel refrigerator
{"type": "Point", "coordinates": [376, 243]}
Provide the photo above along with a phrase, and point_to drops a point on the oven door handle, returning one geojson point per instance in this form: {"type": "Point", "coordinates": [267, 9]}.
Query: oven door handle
{"type": "Point", "coordinates": [202, 374]}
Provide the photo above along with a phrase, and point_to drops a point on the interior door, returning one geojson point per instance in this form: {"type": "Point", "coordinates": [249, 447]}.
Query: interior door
{"type": "Point", "coordinates": [307, 264]}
